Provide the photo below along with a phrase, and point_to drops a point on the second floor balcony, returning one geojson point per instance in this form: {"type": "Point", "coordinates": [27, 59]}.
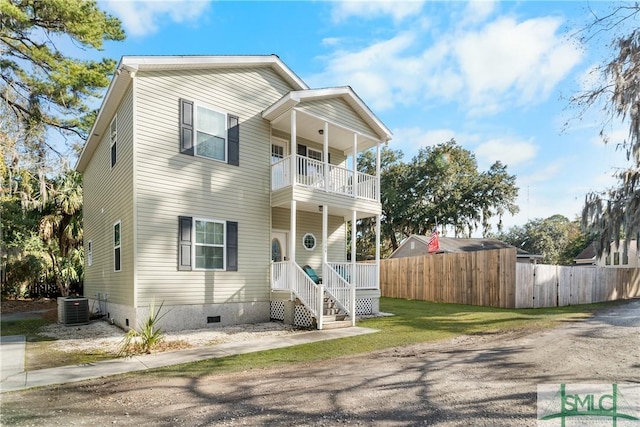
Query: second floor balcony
{"type": "Point", "coordinates": [323, 176]}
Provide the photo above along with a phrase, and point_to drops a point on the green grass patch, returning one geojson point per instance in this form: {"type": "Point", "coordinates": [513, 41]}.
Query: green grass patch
{"type": "Point", "coordinates": [27, 327]}
{"type": "Point", "coordinates": [414, 322]}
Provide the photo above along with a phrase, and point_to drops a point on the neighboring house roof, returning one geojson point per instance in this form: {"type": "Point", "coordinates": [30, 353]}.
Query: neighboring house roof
{"type": "Point", "coordinates": [453, 245]}
{"type": "Point", "coordinates": [587, 255]}
{"type": "Point", "coordinates": [129, 65]}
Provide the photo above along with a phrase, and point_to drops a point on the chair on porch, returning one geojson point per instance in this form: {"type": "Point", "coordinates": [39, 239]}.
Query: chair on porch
{"type": "Point", "coordinates": [312, 274]}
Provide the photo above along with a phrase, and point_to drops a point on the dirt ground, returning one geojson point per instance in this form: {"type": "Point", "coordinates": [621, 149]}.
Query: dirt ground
{"type": "Point", "coordinates": [22, 305]}
{"type": "Point", "coordinates": [484, 380]}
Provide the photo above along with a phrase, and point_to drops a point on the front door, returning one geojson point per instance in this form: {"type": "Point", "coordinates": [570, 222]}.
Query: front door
{"type": "Point", "coordinates": [279, 250]}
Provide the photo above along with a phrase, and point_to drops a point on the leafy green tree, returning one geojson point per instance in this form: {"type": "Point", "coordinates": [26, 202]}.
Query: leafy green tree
{"type": "Point", "coordinates": [61, 231]}
{"type": "Point", "coordinates": [556, 238]}
{"type": "Point", "coordinates": [614, 214]}
{"type": "Point", "coordinates": [44, 87]}
{"type": "Point", "coordinates": [441, 184]}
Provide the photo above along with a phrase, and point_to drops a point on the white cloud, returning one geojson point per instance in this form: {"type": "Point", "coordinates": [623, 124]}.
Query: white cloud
{"type": "Point", "coordinates": [141, 18]}
{"type": "Point", "coordinates": [547, 173]}
{"type": "Point", "coordinates": [510, 151]}
{"type": "Point", "coordinates": [503, 64]}
{"type": "Point", "coordinates": [523, 61]}
{"type": "Point", "coordinates": [478, 11]}
{"type": "Point", "coordinates": [410, 140]}
{"type": "Point", "coordinates": [369, 70]}
{"type": "Point", "coordinates": [368, 9]}
{"type": "Point", "coordinates": [330, 41]}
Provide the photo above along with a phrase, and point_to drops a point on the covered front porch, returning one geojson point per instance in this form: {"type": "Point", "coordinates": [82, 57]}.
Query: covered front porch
{"type": "Point", "coordinates": [314, 238]}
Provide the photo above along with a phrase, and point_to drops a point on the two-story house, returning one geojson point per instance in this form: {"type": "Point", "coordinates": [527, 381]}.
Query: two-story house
{"type": "Point", "coordinates": [210, 181]}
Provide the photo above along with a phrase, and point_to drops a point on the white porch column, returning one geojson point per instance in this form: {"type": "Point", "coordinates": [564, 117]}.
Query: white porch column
{"type": "Point", "coordinates": [292, 238]}
{"type": "Point", "coordinates": [325, 156]}
{"type": "Point", "coordinates": [355, 165]}
{"type": "Point", "coordinates": [378, 172]}
{"type": "Point", "coordinates": [294, 149]}
{"type": "Point", "coordinates": [354, 277]}
{"type": "Point", "coordinates": [377, 278]}
{"type": "Point", "coordinates": [325, 243]}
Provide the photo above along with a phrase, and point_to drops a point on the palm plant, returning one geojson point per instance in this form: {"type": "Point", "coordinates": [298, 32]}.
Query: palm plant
{"type": "Point", "coordinates": [147, 338]}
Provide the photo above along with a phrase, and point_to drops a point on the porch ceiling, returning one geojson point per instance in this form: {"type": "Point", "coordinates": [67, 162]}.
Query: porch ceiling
{"type": "Point", "coordinates": [308, 127]}
{"type": "Point", "coordinates": [333, 210]}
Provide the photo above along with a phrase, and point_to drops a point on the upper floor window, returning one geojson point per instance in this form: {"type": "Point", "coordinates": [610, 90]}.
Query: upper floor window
{"type": "Point", "coordinates": [314, 154]}
{"type": "Point", "coordinates": [113, 138]}
{"type": "Point", "coordinates": [211, 134]}
{"type": "Point", "coordinates": [277, 152]}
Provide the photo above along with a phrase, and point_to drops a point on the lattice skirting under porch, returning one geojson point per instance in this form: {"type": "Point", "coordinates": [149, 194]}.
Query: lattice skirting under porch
{"type": "Point", "coordinates": [364, 306]}
{"type": "Point", "coordinates": [302, 317]}
{"type": "Point", "coordinates": [277, 310]}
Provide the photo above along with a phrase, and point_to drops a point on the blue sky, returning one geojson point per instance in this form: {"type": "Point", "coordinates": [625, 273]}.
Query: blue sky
{"type": "Point", "coordinates": [493, 75]}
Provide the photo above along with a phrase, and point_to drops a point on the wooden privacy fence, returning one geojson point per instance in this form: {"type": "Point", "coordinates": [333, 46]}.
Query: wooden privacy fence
{"type": "Point", "coordinates": [493, 278]}
{"type": "Point", "coordinates": [555, 286]}
{"type": "Point", "coordinates": [477, 278]}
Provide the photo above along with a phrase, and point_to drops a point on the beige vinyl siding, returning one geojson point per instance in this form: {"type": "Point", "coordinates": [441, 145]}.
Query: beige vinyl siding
{"type": "Point", "coordinates": [307, 222]}
{"type": "Point", "coordinates": [338, 111]}
{"type": "Point", "coordinates": [170, 184]}
{"type": "Point", "coordinates": [108, 198]}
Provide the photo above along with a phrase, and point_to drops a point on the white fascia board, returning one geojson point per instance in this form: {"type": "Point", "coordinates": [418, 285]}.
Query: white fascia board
{"type": "Point", "coordinates": [293, 98]}
{"type": "Point", "coordinates": [347, 93]}
{"type": "Point", "coordinates": [115, 92]}
{"type": "Point", "coordinates": [145, 63]}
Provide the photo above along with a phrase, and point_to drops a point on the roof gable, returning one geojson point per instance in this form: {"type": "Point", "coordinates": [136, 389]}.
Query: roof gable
{"type": "Point", "coordinates": [130, 65]}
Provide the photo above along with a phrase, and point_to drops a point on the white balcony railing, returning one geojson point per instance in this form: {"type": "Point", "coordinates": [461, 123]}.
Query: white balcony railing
{"type": "Point", "coordinates": [323, 176]}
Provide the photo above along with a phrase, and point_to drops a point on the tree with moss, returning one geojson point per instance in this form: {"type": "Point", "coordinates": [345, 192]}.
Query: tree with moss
{"type": "Point", "coordinates": [614, 215]}
{"type": "Point", "coordinates": [556, 238]}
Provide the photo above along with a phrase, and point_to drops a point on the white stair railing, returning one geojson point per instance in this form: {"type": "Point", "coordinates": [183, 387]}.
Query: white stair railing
{"type": "Point", "coordinates": [305, 289]}
{"type": "Point", "coordinates": [338, 288]}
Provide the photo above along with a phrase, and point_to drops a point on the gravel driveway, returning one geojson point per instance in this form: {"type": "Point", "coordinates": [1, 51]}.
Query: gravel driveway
{"type": "Point", "coordinates": [486, 380]}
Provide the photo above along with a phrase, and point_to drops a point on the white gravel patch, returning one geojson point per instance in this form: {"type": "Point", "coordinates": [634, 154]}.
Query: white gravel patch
{"type": "Point", "coordinates": [101, 336]}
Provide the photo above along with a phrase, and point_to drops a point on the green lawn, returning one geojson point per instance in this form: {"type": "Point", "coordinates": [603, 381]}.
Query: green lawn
{"type": "Point", "coordinates": [413, 322]}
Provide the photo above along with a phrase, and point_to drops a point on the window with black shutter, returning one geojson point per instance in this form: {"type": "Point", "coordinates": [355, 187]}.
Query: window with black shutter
{"type": "Point", "coordinates": [205, 132]}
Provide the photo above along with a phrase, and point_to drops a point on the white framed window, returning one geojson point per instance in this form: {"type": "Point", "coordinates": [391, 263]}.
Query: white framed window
{"type": "Point", "coordinates": [117, 246]}
{"type": "Point", "coordinates": [209, 244]}
{"type": "Point", "coordinates": [113, 138]}
{"type": "Point", "coordinates": [277, 153]}
{"type": "Point", "coordinates": [211, 133]}
{"type": "Point", "coordinates": [314, 154]}
{"type": "Point", "coordinates": [89, 253]}
{"type": "Point", "coordinates": [309, 241]}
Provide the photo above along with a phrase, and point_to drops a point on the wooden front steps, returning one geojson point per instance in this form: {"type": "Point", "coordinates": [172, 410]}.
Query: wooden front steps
{"type": "Point", "coordinates": [333, 318]}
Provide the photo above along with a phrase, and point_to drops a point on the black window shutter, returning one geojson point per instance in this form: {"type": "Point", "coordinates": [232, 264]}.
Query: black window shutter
{"type": "Point", "coordinates": [184, 242]}
{"type": "Point", "coordinates": [232, 246]}
{"type": "Point", "coordinates": [186, 127]}
{"type": "Point", "coordinates": [233, 140]}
